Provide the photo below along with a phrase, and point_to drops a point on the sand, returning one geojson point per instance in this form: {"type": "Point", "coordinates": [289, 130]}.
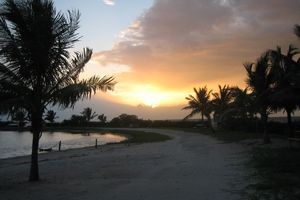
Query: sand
{"type": "Point", "coordinates": [190, 166]}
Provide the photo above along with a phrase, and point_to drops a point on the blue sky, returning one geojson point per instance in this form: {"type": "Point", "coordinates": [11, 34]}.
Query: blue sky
{"type": "Point", "coordinates": [100, 23]}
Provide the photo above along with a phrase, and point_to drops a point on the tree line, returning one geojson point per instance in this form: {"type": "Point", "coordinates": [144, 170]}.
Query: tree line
{"type": "Point", "coordinates": [273, 85]}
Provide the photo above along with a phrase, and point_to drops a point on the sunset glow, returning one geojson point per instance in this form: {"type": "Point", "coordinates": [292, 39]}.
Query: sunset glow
{"type": "Point", "coordinates": [158, 58]}
{"type": "Point", "coordinates": [147, 95]}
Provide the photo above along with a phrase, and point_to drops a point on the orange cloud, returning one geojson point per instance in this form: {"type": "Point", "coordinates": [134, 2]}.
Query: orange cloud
{"type": "Point", "coordinates": [177, 45]}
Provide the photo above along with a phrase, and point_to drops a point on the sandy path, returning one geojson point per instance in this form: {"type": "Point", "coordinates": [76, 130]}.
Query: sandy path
{"type": "Point", "coordinates": [190, 166]}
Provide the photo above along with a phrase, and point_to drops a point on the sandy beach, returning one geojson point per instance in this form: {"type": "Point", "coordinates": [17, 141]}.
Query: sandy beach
{"type": "Point", "coordinates": [190, 166]}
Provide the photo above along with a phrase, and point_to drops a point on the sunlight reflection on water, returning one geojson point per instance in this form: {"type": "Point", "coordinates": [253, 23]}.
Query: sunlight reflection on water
{"type": "Point", "coordinates": [14, 143]}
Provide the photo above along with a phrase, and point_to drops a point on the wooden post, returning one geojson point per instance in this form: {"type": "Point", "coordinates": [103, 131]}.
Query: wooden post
{"type": "Point", "coordinates": [96, 143]}
{"type": "Point", "coordinates": [59, 145]}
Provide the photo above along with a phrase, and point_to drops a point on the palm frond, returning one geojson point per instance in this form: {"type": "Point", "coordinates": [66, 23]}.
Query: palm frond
{"type": "Point", "coordinates": [193, 113]}
{"type": "Point", "coordinates": [68, 95]}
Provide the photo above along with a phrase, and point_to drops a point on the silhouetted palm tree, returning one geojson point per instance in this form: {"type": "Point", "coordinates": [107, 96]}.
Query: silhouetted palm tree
{"type": "Point", "coordinates": [36, 68]}
{"type": "Point", "coordinates": [19, 115]}
{"type": "Point", "coordinates": [243, 103]}
{"type": "Point", "coordinates": [200, 104]}
{"type": "Point", "coordinates": [286, 88]}
{"type": "Point", "coordinates": [241, 106]}
{"type": "Point", "coordinates": [259, 80]}
{"type": "Point", "coordinates": [88, 114]}
{"type": "Point", "coordinates": [297, 30]}
{"type": "Point", "coordinates": [50, 116]}
{"type": "Point", "coordinates": [102, 118]}
{"type": "Point", "coordinates": [221, 101]}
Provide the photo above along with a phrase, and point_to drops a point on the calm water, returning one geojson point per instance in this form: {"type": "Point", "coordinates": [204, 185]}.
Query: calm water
{"type": "Point", "coordinates": [14, 144]}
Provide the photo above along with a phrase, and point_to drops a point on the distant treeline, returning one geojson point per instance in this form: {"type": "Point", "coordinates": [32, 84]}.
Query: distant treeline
{"type": "Point", "coordinates": [132, 121]}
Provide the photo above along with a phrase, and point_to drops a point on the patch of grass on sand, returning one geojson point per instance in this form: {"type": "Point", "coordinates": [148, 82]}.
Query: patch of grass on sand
{"type": "Point", "coordinates": [141, 136]}
{"type": "Point", "coordinates": [276, 174]}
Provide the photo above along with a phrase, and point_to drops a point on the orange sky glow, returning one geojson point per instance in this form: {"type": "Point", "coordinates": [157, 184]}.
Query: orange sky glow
{"type": "Point", "coordinates": [176, 45]}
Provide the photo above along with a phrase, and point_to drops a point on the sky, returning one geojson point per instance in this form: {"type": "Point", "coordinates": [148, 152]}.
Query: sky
{"type": "Point", "coordinates": [158, 50]}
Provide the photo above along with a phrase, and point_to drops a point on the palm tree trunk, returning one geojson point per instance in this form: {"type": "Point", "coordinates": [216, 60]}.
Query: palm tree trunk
{"type": "Point", "coordinates": [266, 137]}
{"type": "Point", "coordinates": [290, 124]}
{"type": "Point", "coordinates": [210, 123]}
{"type": "Point", "coordinates": [36, 131]}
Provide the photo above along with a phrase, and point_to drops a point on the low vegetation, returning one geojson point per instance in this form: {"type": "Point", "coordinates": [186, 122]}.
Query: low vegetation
{"type": "Point", "coordinates": [142, 137]}
{"type": "Point", "coordinates": [275, 174]}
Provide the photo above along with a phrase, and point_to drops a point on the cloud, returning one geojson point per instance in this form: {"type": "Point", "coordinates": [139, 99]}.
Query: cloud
{"type": "Point", "coordinates": [109, 2]}
{"type": "Point", "coordinates": [181, 44]}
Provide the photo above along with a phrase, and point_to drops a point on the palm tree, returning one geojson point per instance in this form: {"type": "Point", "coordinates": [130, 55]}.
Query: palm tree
{"type": "Point", "coordinates": [36, 68]}
{"type": "Point", "coordinates": [243, 102]}
{"type": "Point", "coordinates": [88, 114]}
{"type": "Point", "coordinates": [286, 88]}
{"type": "Point", "coordinates": [297, 30]}
{"type": "Point", "coordinates": [200, 104]}
{"type": "Point", "coordinates": [221, 101]}
{"type": "Point", "coordinates": [19, 115]}
{"type": "Point", "coordinates": [241, 106]}
{"type": "Point", "coordinates": [259, 79]}
{"type": "Point", "coordinates": [102, 118]}
{"type": "Point", "coordinates": [50, 116]}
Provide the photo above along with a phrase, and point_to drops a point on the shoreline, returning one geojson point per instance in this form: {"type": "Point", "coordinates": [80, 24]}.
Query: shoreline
{"type": "Point", "coordinates": [131, 136]}
{"type": "Point", "coordinates": [168, 170]}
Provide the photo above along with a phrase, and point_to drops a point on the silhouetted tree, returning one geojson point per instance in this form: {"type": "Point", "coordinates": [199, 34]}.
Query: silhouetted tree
{"type": "Point", "coordinates": [77, 120]}
{"type": "Point", "coordinates": [50, 116]}
{"type": "Point", "coordinates": [221, 102]}
{"type": "Point", "coordinates": [297, 30]}
{"type": "Point", "coordinates": [88, 114]}
{"type": "Point", "coordinates": [200, 103]}
{"type": "Point", "coordinates": [125, 120]}
{"type": "Point", "coordinates": [259, 80]}
{"type": "Point", "coordinates": [19, 115]}
{"type": "Point", "coordinates": [243, 103]}
{"type": "Point", "coordinates": [36, 68]}
{"type": "Point", "coordinates": [102, 118]}
{"type": "Point", "coordinates": [286, 88]}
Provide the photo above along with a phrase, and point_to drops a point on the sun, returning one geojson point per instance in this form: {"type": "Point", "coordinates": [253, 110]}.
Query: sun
{"type": "Point", "coordinates": [147, 95]}
{"type": "Point", "coordinates": [150, 98]}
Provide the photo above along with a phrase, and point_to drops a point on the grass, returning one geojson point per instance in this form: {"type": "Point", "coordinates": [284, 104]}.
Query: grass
{"type": "Point", "coordinates": [276, 174]}
{"type": "Point", "coordinates": [141, 136]}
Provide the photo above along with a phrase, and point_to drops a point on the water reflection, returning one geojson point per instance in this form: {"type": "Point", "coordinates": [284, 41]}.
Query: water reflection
{"type": "Point", "coordinates": [14, 144]}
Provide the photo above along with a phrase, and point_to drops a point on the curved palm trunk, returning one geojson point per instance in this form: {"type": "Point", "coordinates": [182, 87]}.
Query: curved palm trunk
{"type": "Point", "coordinates": [36, 131]}
{"type": "Point", "coordinates": [264, 117]}
{"type": "Point", "coordinates": [290, 124]}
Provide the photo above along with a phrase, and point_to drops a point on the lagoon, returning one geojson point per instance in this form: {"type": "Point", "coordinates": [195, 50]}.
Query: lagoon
{"type": "Point", "coordinates": [13, 143]}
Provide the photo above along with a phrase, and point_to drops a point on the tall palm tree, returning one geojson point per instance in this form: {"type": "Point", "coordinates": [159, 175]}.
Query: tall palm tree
{"type": "Point", "coordinates": [88, 114]}
{"type": "Point", "coordinates": [222, 100]}
{"type": "Point", "coordinates": [36, 68]}
{"type": "Point", "coordinates": [286, 88]}
{"type": "Point", "coordinates": [200, 104]}
{"type": "Point", "coordinates": [259, 80]}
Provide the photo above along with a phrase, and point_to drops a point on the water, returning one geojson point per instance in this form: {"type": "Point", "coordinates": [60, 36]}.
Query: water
{"type": "Point", "coordinates": [14, 144]}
